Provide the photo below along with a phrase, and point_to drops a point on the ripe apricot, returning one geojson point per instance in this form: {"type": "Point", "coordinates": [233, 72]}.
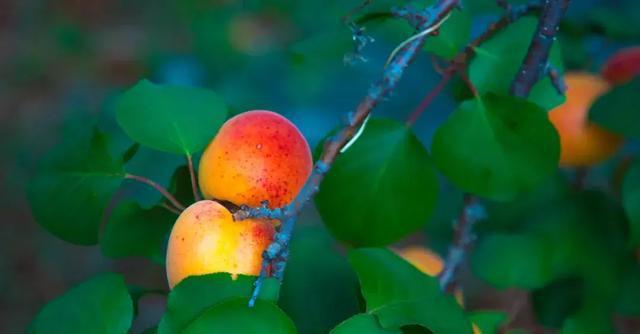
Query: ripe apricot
{"type": "Point", "coordinates": [622, 66]}
{"type": "Point", "coordinates": [205, 239]}
{"type": "Point", "coordinates": [257, 155]}
{"type": "Point", "coordinates": [582, 143]}
{"type": "Point", "coordinates": [424, 259]}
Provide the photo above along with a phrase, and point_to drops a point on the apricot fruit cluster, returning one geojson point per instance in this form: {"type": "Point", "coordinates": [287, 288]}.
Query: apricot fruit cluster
{"type": "Point", "coordinates": [256, 156]}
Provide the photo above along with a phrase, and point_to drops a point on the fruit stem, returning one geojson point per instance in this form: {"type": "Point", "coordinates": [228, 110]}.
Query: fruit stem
{"type": "Point", "coordinates": [194, 184]}
{"type": "Point", "coordinates": [157, 187]}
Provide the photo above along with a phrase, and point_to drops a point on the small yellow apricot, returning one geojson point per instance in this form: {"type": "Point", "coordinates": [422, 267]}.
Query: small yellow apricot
{"type": "Point", "coordinates": [205, 239]}
{"type": "Point", "coordinates": [257, 155]}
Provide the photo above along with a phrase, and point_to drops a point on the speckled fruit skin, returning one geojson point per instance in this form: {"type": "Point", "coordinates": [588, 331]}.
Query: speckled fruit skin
{"type": "Point", "coordinates": [205, 239]}
{"type": "Point", "coordinates": [257, 155]}
{"type": "Point", "coordinates": [582, 143]}
{"type": "Point", "coordinates": [623, 66]}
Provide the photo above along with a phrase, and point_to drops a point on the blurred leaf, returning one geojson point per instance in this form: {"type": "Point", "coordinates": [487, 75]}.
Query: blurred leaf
{"type": "Point", "coordinates": [631, 201]}
{"type": "Point", "coordinates": [73, 187]}
{"type": "Point", "coordinates": [319, 298]}
{"type": "Point", "coordinates": [617, 110]}
{"type": "Point", "coordinates": [362, 323]}
{"type": "Point", "coordinates": [235, 317]}
{"type": "Point", "coordinates": [452, 36]}
{"type": "Point", "coordinates": [497, 147]}
{"type": "Point", "coordinates": [628, 302]}
{"type": "Point", "coordinates": [593, 318]}
{"type": "Point", "coordinates": [156, 166]}
{"type": "Point", "coordinates": [399, 294]}
{"type": "Point", "coordinates": [194, 295]}
{"type": "Point", "coordinates": [497, 61]}
{"type": "Point", "coordinates": [383, 184]}
{"type": "Point", "coordinates": [134, 231]}
{"type": "Point", "coordinates": [180, 185]}
{"type": "Point", "coordinates": [488, 322]}
{"type": "Point", "coordinates": [174, 119]}
{"type": "Point", "coordinates": [101, 305]}
{"type": "Point", "coordinates": [558, 300]}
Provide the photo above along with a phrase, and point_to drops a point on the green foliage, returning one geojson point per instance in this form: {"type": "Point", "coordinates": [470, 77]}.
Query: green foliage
{"type": "Point", "coordinates": [453, 35]}
{"type": "Point", "coordinates": [398, 294]}
{"type": "Point", "coordinates": [557, 301]}
{"type": "Point", "coordinates": [498, 60]}
{"type": "Point", "coordinates": [631, 201]}
{"type": "Point", "coordinates": [617, 110]}
{"type": "Point", "coordinates": [74, 186]}
{"type": "Point", "coordinates": [234, 317]}
{"type": "Point", "coordinates": [488, 322]}
{"type": "Point", "coordinates": [383, 184]}
{"type": "Point", "coordinates": [135, 231]}
{"type": "Point", "coordinates": [154, 116]}
{"type": "Point", "coordinates": [101, 305]}
{"type": "Point", "coordinates": [197, 295]}
{"type": "Point", "coordinates": [363, 323]}
{"type": "Point", "coordinates": [497, 147]}
{"type": "Point", "coordinates": [321, 287]}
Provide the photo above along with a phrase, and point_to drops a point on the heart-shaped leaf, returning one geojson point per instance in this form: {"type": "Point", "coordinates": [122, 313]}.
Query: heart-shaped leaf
{"type": "Point", "coordinates": [362, 323]}
{"type": "Point", "coordinates": [73, 187]}
{"type": "Point", "coordinates": [383, 184]}
{"type": "Point", "coordinates": [631, 200]}
{"type": "Point", "coordinates": [617, 110]}
{"type": "Point", "coordinates": [175, 119]}
{"type": "Point", "coordinates": [497, 147]}
{"type": "Point", "coordinates": [101, 305]}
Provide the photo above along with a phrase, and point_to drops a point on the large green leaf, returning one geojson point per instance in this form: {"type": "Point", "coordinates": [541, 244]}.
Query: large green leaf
{"type": "Point", "coordinates": [617, 110]}
{"type": "Point", "coordinates": [488, 322]}
{"type": "Point", "coordinates": [318, 299]}
{"type": "Point", "coordinates": [235, 317]}
{"type": "Point", "coordinates": [194, 295]}
{"type": "Point", "coordinates": [101, 305]}
{"type": "Point", "coordinates": [628, 302]}
{"type": "Point", "coordinates": [362, 323]}
{"type": "Point", "coordinates": [381, 189]}
{"type": "Point", "coordinates": [73, 187]}
{"type": "Point", "coordinates": [631, 200]}
{"type": "Point", "coordinates": [398, 294]}
{"type": "Point", "coordinates": [175, 119]}
{"type": "Point", "coordinates": [557, 301]}
{"type": "Point", "coordinates": [497, 147]}
{"type": "Point", "coordinates": [498, 60]}
{"type": "Point", "coordinates": [134, 231]}
{"type": "Point", "coordinates": [452, 36]}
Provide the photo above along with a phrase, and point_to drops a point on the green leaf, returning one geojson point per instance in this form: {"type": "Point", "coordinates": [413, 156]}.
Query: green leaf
{"type": "Point", "coordinates": [235, 317]}
{"type": "Point", "coordinates": [557, 301]}
{"type": "Point", "coordinates": [452, 37]}
{"type": "Point", "coordinates": [631, 201]}
{"type": "Point", "coordinates": [156, 166]}
{"type": "Point", "coordinates": [628, 302]}
{"type": "Point", "coordinates": [73, 187]}
{"type": "Point", "coordinates": [174, 119]}
{"type": "Point", "coordinates": [617, 110]}
{"type": "Point", "coordinates": [398, 294]}
{"type": "Point", "coordinates": [101, 305]}
{"type": "Point", "coordinates": [362, 323]}
{"type": "Point", "coordinates": [488, 322]}
{"type": "Point", "coordinates": [498, 60]}
{"type": "Point", "coordinates": [318, 299]}
{"type": "Point", "coordinates": [196, 294]}
{"type": "Point", "coordinates": [383, 184]}
{"type": "Point", "coordinates": [497, 147]}
{"type": "Point", "coordinates": [134, 231]}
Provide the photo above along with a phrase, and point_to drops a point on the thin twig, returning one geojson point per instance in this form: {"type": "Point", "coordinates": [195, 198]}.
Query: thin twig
{"type": "Point", "coordinates": [472, 211]}
{"type": "Point", "coordinates": [536, 62]}
{"type": "Point", "coordinates": [426, 101]}
{"type": "Point", "coordinates": [194, 183]}
{"type": "Point", "coordinates": [157, 187]}
{"type": "Point", "coordinates": [170, 208]}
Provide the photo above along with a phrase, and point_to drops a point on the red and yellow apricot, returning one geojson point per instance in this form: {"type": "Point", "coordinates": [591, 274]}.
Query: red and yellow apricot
{"type": "Point", "coordinates": [582, 143]}
{"type": "Point", "coordinates": [205, 239]}
{"type": "Point", "coordinates": [622, 66]}
{"type": "Point", "coordinates": [257, 155]}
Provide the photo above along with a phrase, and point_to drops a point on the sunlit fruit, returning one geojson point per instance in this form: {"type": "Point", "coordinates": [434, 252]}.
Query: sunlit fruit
{"type": "Point", "coordinates": [582, 142]}
{"type": "Point", "coordinates": [205, 239]}
{"type": "Point", "coordinates": [256, 156]}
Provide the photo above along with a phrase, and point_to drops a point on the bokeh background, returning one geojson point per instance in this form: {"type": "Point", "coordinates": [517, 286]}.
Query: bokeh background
{"type": "Point", "coordinates": [74, 57]}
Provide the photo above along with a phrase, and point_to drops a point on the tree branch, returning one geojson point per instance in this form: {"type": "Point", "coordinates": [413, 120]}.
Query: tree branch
{"type": "Point", "coordinates": [472, 211]}
{"type": "Point", "coordinates": [157, 187]}
{"type": "Point", "coordinates": [278, 250]}
{"type": "Point", "coordinates": [536, 62]}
